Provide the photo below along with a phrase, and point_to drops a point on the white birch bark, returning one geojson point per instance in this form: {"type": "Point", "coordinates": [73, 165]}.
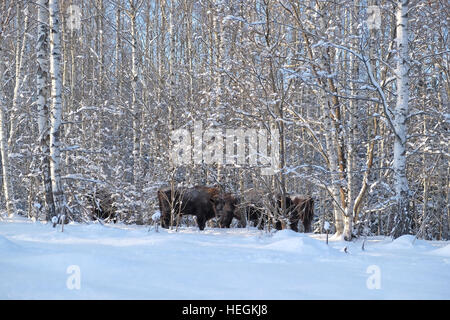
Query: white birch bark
{"type": "Point", "coordinates": [56, 110]}
{"type": "Point", "coordinates": [134, 82]}
{"type": "Point", "coordinates": [333, 167]}
{"type": "Point", "coordinates": [350, 165]}
{"type": "Point", "coordinates": [7, 191]}
{"type": "Point", "coordinates": [351, 181]}
{"type": "Point", "coordinates": [18, 81]}
{"type": "Point", "coordinates": [101, 76]}
{"type": "Point", "coordinates": [6, 172]}
{"type": "Point", "coordinates": [42, 106]}
{"type": "Point", "coordinates": [401, 187]}
{"type": "Point", "coordinates": [219, 44]}
{"type": "Point", "coordinates": [171, 105]}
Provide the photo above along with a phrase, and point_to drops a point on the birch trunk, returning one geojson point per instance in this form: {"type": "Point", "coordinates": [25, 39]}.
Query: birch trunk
{"type": "Point", "coordinates": [18, 81]}
{"type": "Point", "coordinates": [171, 104]}
{"type": "Point", "coordinates": [134, 82]}
{"type": "Point", "coordinates": [352, 129]}
{"type": "Point", "coordinates": [56, 110]}
{"type": "Point", "coordinates": [401, 222]}
{"type": "Point", "coordinates": [349, 215]}
{"type": "Point", "coordinates": [118, 79]}
{"type": "Point", "coordinates": [42, 106]}
{"type": "Point", "coordinates": [171, 65]}
{"type": "Point", "coordinates": [100, 96]}
{"type": "Point", "coordinates": [333, 167]}
{"type": "Point", "coordinates": [6, 172]}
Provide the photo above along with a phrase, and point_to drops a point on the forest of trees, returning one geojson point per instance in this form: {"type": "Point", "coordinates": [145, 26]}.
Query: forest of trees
{"type": "Point", "coordinates": [90, 91]}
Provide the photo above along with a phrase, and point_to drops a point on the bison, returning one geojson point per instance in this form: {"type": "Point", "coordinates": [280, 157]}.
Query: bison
{"type": "Point", "coordinates": [302, 209]}
{"type": "Point", "coordinates": [298, 208]}
{"type": "Point", "coordinates": [252, 206]}
{"type": "Point", "coordinates": [225, 205]}
{"type": "Point", "coordinates": [204, 202]}
{"type": "Point", "coordinates": [186, 201]}
{"type": "Point", "coordinates": [102, 206]}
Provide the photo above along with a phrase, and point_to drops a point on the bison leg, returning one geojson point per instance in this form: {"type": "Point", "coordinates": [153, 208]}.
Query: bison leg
{"type": "Point", "coordinates": [201, 221]}
{"type": "Point", "coordinates": [309, 215]}
{"type": "Point", "coordinates": [307, 225]}
{"type": "Point", "coordinates": [278, 225]}
{"type": "Point", "coordinates": [165, 221]}
{"type": "Point", "coordinates": [225, 220]}
{"type": "Point", "coordinates": [294, 226]}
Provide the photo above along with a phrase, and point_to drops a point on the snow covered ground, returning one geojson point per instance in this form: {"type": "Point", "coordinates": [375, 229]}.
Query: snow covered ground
{"type": "Point", "coordinates": [130, 262]}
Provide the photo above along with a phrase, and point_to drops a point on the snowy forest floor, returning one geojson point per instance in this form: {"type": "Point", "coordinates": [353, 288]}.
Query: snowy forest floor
{"type": "Point", "coordinates": [135, 262]}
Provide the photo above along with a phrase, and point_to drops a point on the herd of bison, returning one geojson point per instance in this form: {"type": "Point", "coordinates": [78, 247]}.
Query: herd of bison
{"type": "Point", "coordinates": [207, 202]}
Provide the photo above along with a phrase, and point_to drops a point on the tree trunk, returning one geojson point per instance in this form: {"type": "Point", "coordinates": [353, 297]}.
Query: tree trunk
{"type": "Point", "coordinates": [42, 106]}
{"type": "Point", "coordinates": [56, 111]}
{"type": "Point", "coordinates": [14, 114]}
{"type": "Point", "coordinates": [172, 102]}
{"type": "Point", "coordinates": [6, 171]}
{"type": "Point", "coordinates": [134, 82]}
{"type": "Point", "coordinates": [402, 214]}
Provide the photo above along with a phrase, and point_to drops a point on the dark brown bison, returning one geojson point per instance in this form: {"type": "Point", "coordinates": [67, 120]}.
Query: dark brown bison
{"type": "Point", "coordinates": [227, 209]}
{"type": "Point", "coordinates": [253, 207]}
{"type": "Point", "coordinates": [302, 209]}
{"type": "Point", "coordinates": [102, 206]}
{"type": "Point", "coordinates": [298, 208]}
{"type": "Point", "coordinates": [225, 205]}
{"type": "Point", "coordinates": [185, 201]}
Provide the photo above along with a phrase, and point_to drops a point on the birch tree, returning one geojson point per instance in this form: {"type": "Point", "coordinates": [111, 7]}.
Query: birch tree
{"type": "Point", "coordinates": [56, 111]}
{"type": "Point", "coordinates": [6, 171]}
{"type": "Point", "coordinates": [135, 109]}
{"type": "Point", "coordinates": [20, 50]}
{"type": "Point", "coordinates": [42, 104]}
{"type": "Point", "coordinates": [402, 215]}
{"type": "Point", "coordinates": [5, 20]}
